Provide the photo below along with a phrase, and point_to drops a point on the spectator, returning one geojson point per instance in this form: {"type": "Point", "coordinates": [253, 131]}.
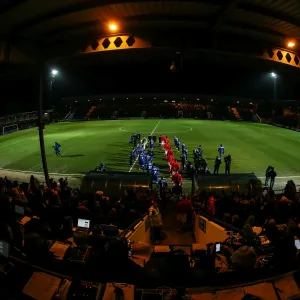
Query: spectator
{"type": "Point", "coordinates": [243, 259]}
{"type": "Point", "coordinates": [272, 175]}
{"type": "Point", "coordinates": [184, 207]}
{"type": "Point", "coordinates": [156, 222]}
{"type": "Point", "coordinates": [18, 194]}
{"type": "Point", "coordinates": [211, 210]}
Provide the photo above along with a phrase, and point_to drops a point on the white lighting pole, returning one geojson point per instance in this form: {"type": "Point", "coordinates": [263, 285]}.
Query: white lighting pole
{"type": "Point", "coordinates": [274, 75]}
{"type": "Point", "coordinates": [53, 74]}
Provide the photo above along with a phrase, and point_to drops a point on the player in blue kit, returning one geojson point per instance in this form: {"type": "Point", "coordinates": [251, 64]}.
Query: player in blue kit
{"type": "Point", "coordinates": [183, 147]}
{"type": "Point", "coordinates": [102, 167]}
{"type": "Point", "coordinates": [142, 161]}
{"type": "Point", "coordinates": [221, 150]}
{"type": "Point", "coordinates": [155, 175]}
{"type": "Point", "coordinates": [177, 143]}
{"type": "Point", "coordinates": [152, 144]}
{"type": "Point", "coordinates": [186, 152]}
{"type": "Point", "coordinates": [56, 148]}
{"type": "Point", "coordinates": [149, 167]}
{"type": "Point", "coordinates": [199, 150]}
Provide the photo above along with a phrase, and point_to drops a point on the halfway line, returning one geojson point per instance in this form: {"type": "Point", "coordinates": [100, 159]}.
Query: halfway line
{"type": "Point", "coordinates": [145, 145]}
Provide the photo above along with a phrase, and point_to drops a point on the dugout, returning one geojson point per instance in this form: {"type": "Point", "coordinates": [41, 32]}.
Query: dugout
{"type": "Point", "coordinates": [238, 182]}
{"type": "Point", "coordinates": [114, 183]}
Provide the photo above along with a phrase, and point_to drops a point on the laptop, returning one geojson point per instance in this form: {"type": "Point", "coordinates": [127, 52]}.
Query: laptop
{"type": "Point", "coordinates": [19, 210]}
{"type": "Point", "coordinates": [5, 265]}
{"type": "Point", "coordinates": [4, 249]}
{"type": "Point", "coordinates": [83, 225]}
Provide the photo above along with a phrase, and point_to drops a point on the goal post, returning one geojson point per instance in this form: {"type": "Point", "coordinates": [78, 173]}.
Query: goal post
{"type": "Point", "coordinates": [10, 128]}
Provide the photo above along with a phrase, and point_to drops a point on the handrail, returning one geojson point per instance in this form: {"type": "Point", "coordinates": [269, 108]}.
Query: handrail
{"type": "Point", "coordinates": [38, 268]}
{"type": "Point", "coordinates": [207, 288]}
{"type": "Point", "coordinates": [132, 225]}
{"type": "Point", "coordinates": [221, 223]}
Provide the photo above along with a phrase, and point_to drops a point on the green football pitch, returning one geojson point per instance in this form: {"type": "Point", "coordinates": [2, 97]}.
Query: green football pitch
{"type": "Point", "coordinates": [85, 144]}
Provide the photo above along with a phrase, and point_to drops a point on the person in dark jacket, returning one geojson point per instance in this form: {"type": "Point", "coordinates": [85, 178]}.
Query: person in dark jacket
{"type": "Point", "coordinates": [227, 160]}
{"type": "Point", "coordinates": [269, 168]}
{"type": "Point", "coordinates": [218, 162]}
{"type": "Point", "coordinates": [272, 175]}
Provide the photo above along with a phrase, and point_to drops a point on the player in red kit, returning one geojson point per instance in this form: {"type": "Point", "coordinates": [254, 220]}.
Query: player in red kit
{"type": "Point", "coordinates": [170, 159]}
{"type": "Point", "coordinates": [176, 166]}
{"type": "Point", "coordinates": [167, 147]}
{"type": "Point", "coordinates": [177, 179]}
{"type": "Point", "coordinates": [170, 152]}
{"type": "Point", "coordinates": [171, 163]}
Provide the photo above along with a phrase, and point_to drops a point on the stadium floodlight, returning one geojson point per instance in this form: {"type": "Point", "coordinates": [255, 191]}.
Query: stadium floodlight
{"type": "Point", "coordinates": [113, 27]}
{"type": "Point", "coordinates": [54, 72]}
{"type": "Point", "coordinates": [274, 75]}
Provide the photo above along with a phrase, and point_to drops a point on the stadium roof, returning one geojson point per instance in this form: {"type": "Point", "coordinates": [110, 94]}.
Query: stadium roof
{"type": "Point", "coordinates": [32, 29]}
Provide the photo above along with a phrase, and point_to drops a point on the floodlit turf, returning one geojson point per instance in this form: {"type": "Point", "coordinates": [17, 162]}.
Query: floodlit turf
{"type": "Point", "coordinates": [85, 144]}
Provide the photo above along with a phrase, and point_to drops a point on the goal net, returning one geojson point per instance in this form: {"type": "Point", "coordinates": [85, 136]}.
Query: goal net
{"type": "Point", "coordinates": [10, 129]}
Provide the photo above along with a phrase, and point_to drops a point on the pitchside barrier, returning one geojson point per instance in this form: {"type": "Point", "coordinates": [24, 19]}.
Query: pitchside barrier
{"type": "Point", "coordinates": [114, 184]}
{"type": "Point", "coordinates": [286, 127]}
{"type": "Point", "coordinates": [238, 182]}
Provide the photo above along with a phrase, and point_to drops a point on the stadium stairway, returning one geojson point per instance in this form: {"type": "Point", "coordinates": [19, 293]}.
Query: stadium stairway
{"type": "Point", "coordinates": [68, 115]}
{"type": "Point", "coordinates": [248, 115]}
{"type": "Point", "coordinates": [170, 229]}
{"type": "Point", "coordinates": [258, 118]}
{"type": "Point", "coordinates": [236, 114]}
{"type": "Point", "coordinates": [91, 110]}
{"type": "Point", "coordinates": [71, 116]}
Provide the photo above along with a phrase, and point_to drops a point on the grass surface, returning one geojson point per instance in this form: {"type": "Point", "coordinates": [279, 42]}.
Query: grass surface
{"type": "Point", "coordinates": [85, 144]}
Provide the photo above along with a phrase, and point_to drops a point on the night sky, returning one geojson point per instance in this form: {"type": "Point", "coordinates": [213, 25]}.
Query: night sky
{"type": "Point", "coordinates": [19, 92]}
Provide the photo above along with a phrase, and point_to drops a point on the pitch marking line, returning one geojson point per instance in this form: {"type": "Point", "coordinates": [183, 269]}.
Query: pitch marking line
{"type": "Point", "coordinates": [280, 134]}
{"type": "Point", "coordinates": [144, 145]}
{"type": "Point", "coordinates": [165, 132]}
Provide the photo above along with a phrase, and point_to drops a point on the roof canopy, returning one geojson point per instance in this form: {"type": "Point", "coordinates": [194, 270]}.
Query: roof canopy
{"type": "Point", "coordinates": [32, 29]}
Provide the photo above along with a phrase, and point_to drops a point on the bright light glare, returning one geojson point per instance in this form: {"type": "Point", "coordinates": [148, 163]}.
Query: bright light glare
{"type": "Point", "coordinates": [274, 75]}
{"type": "Point", "coordinates": [291, 44]}
{"type": "Point", "coordinates": [54, 72]}
{"type": "Point", "coordinates": [113, 27]}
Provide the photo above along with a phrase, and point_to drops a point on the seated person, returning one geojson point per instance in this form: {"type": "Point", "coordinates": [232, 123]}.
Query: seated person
{"type": "Point", "coordinates": [97, 239]}
{"type": "Point", "coordinates": [284, 253]}
{"type": "Point", "coordinates": [250, 236]}
{"type": "Point", "coordinates": [110, 230]}
{"type": "Point", "coordinates": [243, 259]}
{"type": "Point", "coordinates": [36, 248]}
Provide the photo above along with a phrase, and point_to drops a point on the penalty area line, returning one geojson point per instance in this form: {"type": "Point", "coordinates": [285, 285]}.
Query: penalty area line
{"type": "Point", "coordinates": [144, 145]}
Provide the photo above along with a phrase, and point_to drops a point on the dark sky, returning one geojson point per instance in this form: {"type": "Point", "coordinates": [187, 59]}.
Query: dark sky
{"type": "Point", "coordinates": [247, 82]}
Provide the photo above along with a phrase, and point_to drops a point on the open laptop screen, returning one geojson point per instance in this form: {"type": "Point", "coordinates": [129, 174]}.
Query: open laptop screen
{"type": "Point", "coordinates": [4, 248]}
{"type": "Point", "coordinates": [83, 223]}
{"type": "Point", "coordinates": [20, 210]}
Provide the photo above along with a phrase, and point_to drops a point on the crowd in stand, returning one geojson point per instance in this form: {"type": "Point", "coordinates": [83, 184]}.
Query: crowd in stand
{"type": "Point", "coordinates": [48, 209]}
{"type": "Point", "coordinates": [48, 212]}
{"type": "Point", "coordinates": [276, 217]}
{"type": "Point", "coordinates": [189, 106]}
